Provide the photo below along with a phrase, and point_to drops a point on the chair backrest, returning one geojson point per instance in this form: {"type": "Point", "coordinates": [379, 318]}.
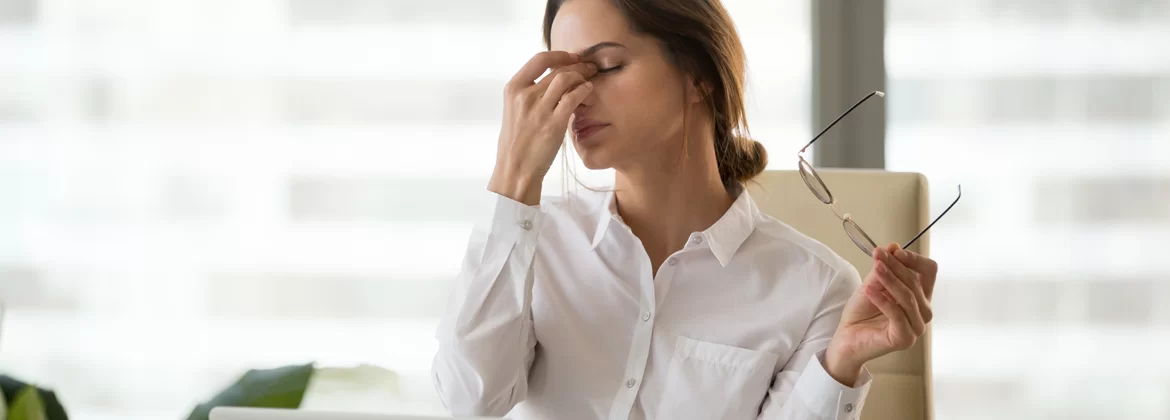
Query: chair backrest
{"type": "Point", "coordinates": [891, 207]}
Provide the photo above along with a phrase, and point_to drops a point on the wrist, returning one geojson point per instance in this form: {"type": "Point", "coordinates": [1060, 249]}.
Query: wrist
{"type": "Point", "coordinates": [842, 365]}
{"type": "Point", "coordinates": [522, 188]}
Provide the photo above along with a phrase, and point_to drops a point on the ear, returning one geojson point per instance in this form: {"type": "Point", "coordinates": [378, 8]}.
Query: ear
{"type": "Point", "coordinates": [696, 91]}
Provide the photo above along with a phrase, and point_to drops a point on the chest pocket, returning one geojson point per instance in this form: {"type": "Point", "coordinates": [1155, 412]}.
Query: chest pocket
{"type": "Point", "coordinates": [715, 381]}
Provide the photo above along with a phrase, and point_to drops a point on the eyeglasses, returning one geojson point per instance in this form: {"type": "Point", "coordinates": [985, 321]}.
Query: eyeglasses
{"type": "Point", "coordinates": [821, 191]}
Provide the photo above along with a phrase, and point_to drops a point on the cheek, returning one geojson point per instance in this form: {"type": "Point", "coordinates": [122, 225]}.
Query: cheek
{"type": "Point", "coordinates": [646, 102]}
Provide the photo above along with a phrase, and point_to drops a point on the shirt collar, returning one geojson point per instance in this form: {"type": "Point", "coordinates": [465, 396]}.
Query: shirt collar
{"type": "Point", "coordinates": [730, 231]}
{"type": "Point", "coordinates": [723, 238]}
{"type": "Point", "coordinates": [608, 212]}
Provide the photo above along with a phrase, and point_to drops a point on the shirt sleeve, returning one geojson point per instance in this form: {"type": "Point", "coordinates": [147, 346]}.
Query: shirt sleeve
{"type": "Point", "coordinates": [486, 339]}
{"type": "Point", "coordinates": [803, 390]}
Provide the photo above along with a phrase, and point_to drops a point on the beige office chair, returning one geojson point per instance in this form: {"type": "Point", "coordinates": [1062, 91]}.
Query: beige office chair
{"type": "Point", "coordinates": [891, 207]}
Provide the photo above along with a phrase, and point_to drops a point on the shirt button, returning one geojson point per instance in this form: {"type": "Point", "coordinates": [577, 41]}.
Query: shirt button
{"type": "Point", "coordinates": [697, 240]}
{"type": "Point", "coordinates": [630, 383]}
{"type": "Point", "coordinates": [646, 316]}
{"type": "Point", "coordinates": [848, 408]}
{"type": "Point", "coordinates": [526, 224]}
{"type": "Point", "coordinates": [672, 262]}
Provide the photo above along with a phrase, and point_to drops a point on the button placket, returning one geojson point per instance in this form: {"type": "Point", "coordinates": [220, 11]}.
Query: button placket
{"type": "Point", "coordinates": [639, 350]}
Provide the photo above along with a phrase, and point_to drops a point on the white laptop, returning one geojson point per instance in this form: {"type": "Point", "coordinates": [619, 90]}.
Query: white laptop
{"type": "Point", "coordinates": [238, 413]}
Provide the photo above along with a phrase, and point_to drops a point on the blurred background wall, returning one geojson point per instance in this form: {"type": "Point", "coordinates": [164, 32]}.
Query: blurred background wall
{"type": "Point", "coordinates": [191, 188]}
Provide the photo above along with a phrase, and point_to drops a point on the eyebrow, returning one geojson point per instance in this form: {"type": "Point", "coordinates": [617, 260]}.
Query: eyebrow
{"type": "Point", "coordinates": [599, 46]}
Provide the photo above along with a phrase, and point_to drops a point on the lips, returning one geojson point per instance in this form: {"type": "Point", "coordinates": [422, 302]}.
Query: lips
{"type": "Point", "coordinates": [585, 127]}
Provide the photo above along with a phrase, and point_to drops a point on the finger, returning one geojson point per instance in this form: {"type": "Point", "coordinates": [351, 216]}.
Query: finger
{"type": "Point", "coordinates": [923, 305]}
{"type": "Point", "coordinates": [585, 69]}
{"type": "Point", "coordinates": [571, 100]}
{"type": "Point", "coordinates": [561, 84]}
{"type": "Point", "coordinates": [872, 281]}
{"type": "Point", "coordinates": [925, 267]}
{"type": "Point", "coordinates": [889, 308]}
{"type": "Point", "coordinates": [536, 66]}
{"type": "Point", "coordinates": [917, 286]}
{"type": "Point", "coordinates": [903, 296]}
{"type": "Point", "coordinates": [906, 275]}
{"type": "Point", "coordinates": [877, 285]}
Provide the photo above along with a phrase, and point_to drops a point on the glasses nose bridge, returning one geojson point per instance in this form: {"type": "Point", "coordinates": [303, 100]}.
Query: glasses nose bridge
{"type": "Point", "coordinates": [832, 206]}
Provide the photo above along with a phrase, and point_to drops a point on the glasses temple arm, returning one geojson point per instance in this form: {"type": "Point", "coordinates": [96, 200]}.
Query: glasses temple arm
{"type": "Point", "coordinates": [936, 219]}
{"type": "Point", "coordinates": [876, 92]}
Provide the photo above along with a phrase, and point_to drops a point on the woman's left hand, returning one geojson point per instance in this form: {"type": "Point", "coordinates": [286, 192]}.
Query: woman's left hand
{"type": "Point", "coordinates": [887, 313]}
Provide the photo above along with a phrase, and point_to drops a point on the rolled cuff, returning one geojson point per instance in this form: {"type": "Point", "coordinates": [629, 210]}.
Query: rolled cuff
{"type": "Point", "coordinates": [510, 219]}
{"type": "Point", "coordinates": [828, 398]}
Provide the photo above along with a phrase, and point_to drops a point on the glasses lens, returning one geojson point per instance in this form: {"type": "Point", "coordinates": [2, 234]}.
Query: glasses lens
{"type": "Point", "coordinates": [859, 237]}
{"type": "Point", "coordinates": [814, 183]}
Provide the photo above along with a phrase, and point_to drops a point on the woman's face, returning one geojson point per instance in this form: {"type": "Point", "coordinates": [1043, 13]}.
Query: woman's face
{"type": "Point", "coordinates": [635, 112]}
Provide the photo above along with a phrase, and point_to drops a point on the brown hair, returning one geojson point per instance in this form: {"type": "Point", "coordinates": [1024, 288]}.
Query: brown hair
{"type": "Point", "coordinates": [699, 37]}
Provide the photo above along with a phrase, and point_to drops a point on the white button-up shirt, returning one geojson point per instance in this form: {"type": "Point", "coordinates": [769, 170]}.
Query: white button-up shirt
{"type": "Point", "coordinates": [557, 315]}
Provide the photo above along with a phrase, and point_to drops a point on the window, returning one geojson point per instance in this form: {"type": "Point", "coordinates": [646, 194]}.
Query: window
{"type": "Point", "coordinates": [195, 189]}
{"type": "Point", "coordinates": [1053, 115]}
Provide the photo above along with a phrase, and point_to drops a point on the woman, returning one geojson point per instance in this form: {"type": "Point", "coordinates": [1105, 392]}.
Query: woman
{"type": "Point", "coordinates": [671, 297]}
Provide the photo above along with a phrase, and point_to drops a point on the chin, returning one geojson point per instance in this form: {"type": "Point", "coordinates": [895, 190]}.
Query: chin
{"type": "Point", "coordinates": [594, 156]}
{"type": "Point", "coordinates": [595, 159]}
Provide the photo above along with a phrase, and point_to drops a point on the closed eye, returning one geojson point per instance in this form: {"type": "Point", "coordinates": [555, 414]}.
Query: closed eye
{"type": "Point", "coordinates": [607, 70]}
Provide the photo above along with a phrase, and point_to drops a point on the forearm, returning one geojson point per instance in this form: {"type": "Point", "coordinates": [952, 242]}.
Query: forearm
{"type": "Point", "coordinates": [486, 339]}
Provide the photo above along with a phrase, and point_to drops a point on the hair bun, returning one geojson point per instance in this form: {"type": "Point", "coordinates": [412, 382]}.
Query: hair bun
{"type": "Point", "coordinates": [740, 160]}
{"type": "Point", "coordinates": [750, 161]}
{"type": "Point", "coordinates": [756, 163]}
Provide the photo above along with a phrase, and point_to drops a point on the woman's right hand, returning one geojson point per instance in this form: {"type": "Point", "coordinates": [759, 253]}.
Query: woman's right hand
{"type": "Point", "coordinates": [536, 117]}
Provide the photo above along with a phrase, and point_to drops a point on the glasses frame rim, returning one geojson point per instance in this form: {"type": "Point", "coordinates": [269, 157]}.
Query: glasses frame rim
{"type": "Point", "coordinates": [846, 219]}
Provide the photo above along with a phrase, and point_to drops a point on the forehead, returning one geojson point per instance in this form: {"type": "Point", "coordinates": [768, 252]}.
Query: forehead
{"type": "Point", "coordinates": [580, 24]}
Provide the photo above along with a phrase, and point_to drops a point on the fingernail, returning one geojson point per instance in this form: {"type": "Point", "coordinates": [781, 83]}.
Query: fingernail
{"type": "Point", "coordinates": [588, 85]}
{"type": "Point", "coordinates": [882, 253]}
{"type": "Point", "coordinates": [901, 254]}
{"type": "Point", "coordinates": [591, 66]}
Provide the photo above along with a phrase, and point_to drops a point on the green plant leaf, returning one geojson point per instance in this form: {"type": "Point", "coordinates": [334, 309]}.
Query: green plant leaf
{"type": "Point", "coordinates": [282, 387]}
{"type": "Point", "coordinates": [10, 387]}
{"type": "Point", "coordinates": [27, 405]}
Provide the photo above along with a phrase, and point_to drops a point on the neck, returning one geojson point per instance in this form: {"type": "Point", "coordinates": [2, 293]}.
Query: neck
{"type": "Point", "coordinates": [664, 202]}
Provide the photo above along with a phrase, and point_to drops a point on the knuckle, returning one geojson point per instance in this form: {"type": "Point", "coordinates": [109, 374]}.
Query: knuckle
{"type": "Point", "coordinates": [519, 100]}
{"type": "Point", "coordinates": [906, 342]}
{"type": "Point", "coordinates": [557, 79]}
{"type": "Point", "coordinates": [569, 76]}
